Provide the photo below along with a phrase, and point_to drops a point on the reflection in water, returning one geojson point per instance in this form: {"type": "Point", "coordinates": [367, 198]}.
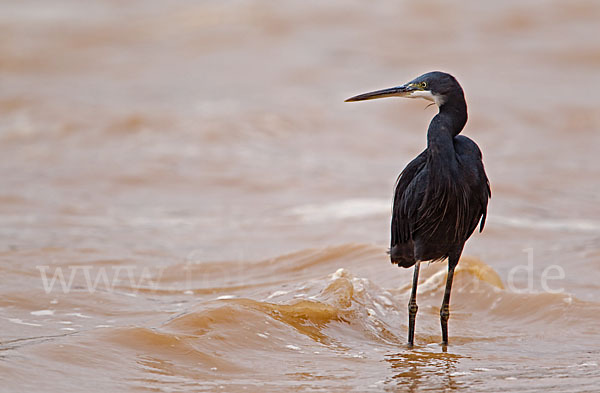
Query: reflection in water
{"type": "Point", "coordinates": [413, 369]}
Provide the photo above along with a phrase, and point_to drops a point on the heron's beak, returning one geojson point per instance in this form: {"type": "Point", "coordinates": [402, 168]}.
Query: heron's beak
{"type": "Point", "coordinates": [400, 91]}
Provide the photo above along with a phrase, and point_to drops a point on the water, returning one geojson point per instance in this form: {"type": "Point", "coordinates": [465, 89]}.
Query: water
{"type": "Point", "coordinates": [188, 205]}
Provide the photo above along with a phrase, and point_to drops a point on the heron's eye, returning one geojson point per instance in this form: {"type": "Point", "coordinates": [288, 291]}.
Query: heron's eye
{"type": "Point", "coordinates": [423, 84]}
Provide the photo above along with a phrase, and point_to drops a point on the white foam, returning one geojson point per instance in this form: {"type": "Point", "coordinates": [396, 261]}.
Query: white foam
{"type": "Point", "coordinates": [548, 224]}
{"type": "Point", "coordinates": [349, 208]}
{"type": "Point", "coordinates": [79, 315]}
{"type": "Point", "coordinates": [385, 300]}
{"type": "Point", "coordinates": [20, 322]}
{"type": "Point", "coordinates": [277, 293]}
{"type": "Point", "coordinates": [364, 207]}
{"type": "Point", "coordinates": [225, 297]}
{"type": "Point", "coordinates": [459, 373]}
{"type": "Point", "coordinates": [42, 312]}
{"type": "Point", "coordinates": [379, 308]}
{"type": "Point", "coordinates": [295, 348]}
{"type": "Point", "coordinates": [341, 272]}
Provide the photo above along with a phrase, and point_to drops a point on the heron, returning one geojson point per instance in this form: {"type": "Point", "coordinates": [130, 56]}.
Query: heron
{"type": "Point", "coordinates": [441, 196]}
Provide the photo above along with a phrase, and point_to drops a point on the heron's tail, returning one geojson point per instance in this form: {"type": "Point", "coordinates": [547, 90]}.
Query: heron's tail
{"type": "Point", "coordinates": [403, 254]}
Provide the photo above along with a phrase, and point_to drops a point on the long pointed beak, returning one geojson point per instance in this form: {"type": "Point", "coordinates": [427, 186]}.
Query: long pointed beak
{"type": "Point", "coordinates": [400, 91]}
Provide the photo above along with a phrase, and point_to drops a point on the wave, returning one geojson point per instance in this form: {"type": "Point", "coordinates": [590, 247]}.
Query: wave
{"type": "Point", "coordinates": [342, 312]}
{"type": "Point", "coordinates": [317, 316]}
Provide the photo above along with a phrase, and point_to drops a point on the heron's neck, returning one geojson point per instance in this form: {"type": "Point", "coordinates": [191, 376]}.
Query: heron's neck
{"type": "Point", "coordinates": [448, 123]}
{"type": "Point", "coordinates": [454, 113]}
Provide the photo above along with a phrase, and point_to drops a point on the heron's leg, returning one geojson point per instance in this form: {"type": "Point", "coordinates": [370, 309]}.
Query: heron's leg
{"type": "Point", "coordinates": [412, 306]}
{"type": "Point", "coordinates": [445, 310]}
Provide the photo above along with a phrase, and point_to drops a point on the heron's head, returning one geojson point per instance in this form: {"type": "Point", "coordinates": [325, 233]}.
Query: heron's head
{"type": "Point", "coordinates": [435, 86]}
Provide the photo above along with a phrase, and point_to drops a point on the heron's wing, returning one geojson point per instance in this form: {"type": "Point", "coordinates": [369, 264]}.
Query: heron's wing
{"type": "Point", "coordinates": [405, 200]}
{"type": "Point", "coordinates": [484, 195]}
{"type": "Point", "coordinates": [476, 184]}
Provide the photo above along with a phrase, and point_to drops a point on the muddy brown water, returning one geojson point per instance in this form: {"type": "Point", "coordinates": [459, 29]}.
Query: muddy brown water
{"type": "Point", "coordinates": [187, 204]}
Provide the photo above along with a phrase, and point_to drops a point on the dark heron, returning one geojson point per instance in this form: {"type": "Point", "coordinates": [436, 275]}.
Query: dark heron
{"type": "Point", "coordinates": [442, 195]}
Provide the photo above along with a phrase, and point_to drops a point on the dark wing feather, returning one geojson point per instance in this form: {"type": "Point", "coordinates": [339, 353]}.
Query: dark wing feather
{"type": "Point", "coordinates": [476, 182]}
{"type": "Point", "coordinates": [484, 196]}
{"type": "Point", "coordinates": [404, 201]}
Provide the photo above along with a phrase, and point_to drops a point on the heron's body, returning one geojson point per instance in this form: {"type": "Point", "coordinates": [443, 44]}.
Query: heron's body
{"type": "Point", "coordinates": [441, 196]}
